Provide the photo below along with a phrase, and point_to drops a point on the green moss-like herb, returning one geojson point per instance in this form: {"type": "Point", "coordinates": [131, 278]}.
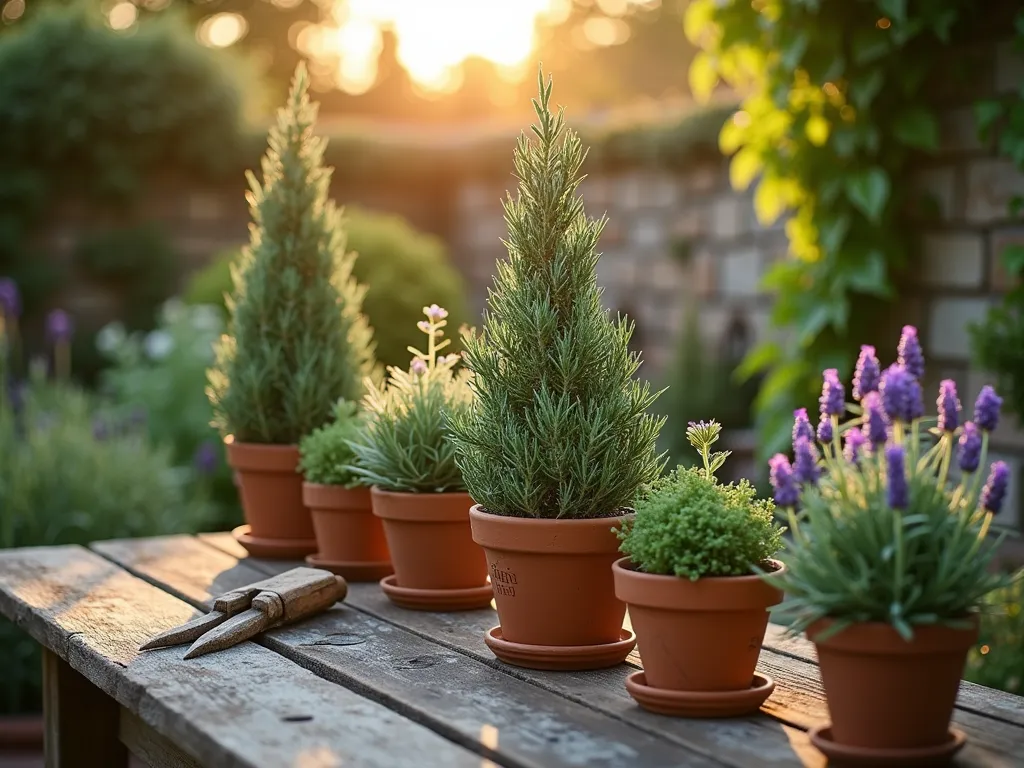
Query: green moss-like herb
{"type": "Point", "coordinates": [326, 453]}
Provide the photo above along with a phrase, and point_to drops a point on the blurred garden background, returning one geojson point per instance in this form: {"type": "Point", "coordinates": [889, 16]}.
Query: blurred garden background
{"type": "Point", "coordinates": [781, 178]}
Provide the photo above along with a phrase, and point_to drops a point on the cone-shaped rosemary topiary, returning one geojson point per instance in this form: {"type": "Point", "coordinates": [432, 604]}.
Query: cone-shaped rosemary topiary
{"type": "Point", "coordinates": [560, 428]}
{"type": "Point", "coordinates": [298, 341]}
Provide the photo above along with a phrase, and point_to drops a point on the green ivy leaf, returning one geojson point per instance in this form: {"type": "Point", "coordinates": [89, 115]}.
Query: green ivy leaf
{"type": "Point", "coordinates": [1013, 259]}
{"type": "Point", "coordinates": [865, 86]}
{"type": "Point", "coordinates": [917, 127]}
{"type": "Point", "coordinates": [894, 9]}
{"type": "Point", "coordinates": [1016, 205]}
{"type": "Point", "coordinates": [814, 322]}
{"type": "Point", "coordinates": [832, 231]}
{"type": "Point", "coordinates": [869, 45]}
{"type": "Point", "coordinates": [869, 190]}
{"type": "Point", "coordinates": [760, 358]}
{"type": "Point", "coordinates": [986, 112]}
{"type": "Point", "coordinates": [869, 275]}
{"type": "Point", "coordinates": [793, 51]}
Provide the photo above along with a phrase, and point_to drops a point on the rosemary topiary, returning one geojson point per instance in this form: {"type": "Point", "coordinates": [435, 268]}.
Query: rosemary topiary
{"type": "Point", "coordinates": [405, 446]}
{"type": "Point", "coordinates": [325, 453]}
{"type": "Point", "coordinates": [560, 427]}
{"type": "Point", "coordinates": [689, 525]}
{"type": "Point", "coordinates": [299, 341]}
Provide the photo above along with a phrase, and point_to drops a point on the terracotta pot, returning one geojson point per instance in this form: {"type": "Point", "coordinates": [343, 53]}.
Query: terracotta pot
{"type": "Point", "coordinates": [886, 693]}
{"type": "Point", "coordinates": [429, 539]}
{"type": "Point", "coordinates": [271, 490]}
{"type": "Point", "coordinates": [702, 635]}
{"type": "Point", "coordinates": [346, 529]}
{"type": "Point", "coordinates": [552, 579]}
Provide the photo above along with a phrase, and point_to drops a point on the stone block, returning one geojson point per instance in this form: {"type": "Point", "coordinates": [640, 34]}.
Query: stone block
{"type": "Point", "coordinates": [205, 206]}
{"type": "Point", "coordinates": [1009, 67]}
{"type": "Point", "coordinates": [953, 260]}
{"type": "Point", "coordinates": [689, 222]}
{"type": "Point", "coordinates": [938, 185]}
{"type": "Point", "coordinates": [664, 191]}
{"type": "Point", "coordinates": [627, 192]}
{"type": "Point", "coordinates": [702, 279]}
{"type": "Point", "coordinates": [957, 132]}
{"type": "Point", "coordinates": [475, 194]}
{"type": "Point", "coordinates": [707, 177]}
{"type": "Point", "coordinates": [727, 217]}
{"type": "Point", "coordinates": [991, 184]}
{"type": "Point", "coordinates": [1000, 239]}
{"type": "Point", "coordinates": [948, 319]}
{"type": "Point", "coordinates": [648, 232]}
{"type": "Point", "coordinates": [740, 273]}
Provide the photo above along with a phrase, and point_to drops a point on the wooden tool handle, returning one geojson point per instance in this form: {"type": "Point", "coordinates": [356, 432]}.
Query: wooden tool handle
{"type": "Point", "coordinates": [311, 595]}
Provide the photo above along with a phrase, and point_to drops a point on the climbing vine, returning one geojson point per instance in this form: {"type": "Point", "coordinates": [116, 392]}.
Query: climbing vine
{"type": "Point", "coordinates": [837, 102]}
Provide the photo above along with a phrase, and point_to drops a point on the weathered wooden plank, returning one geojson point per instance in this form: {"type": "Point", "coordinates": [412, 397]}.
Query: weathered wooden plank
{"type": "Point", "coordinates": [463, 698]}
{"type": "Point", "coordinates": [246, 706]}
{"type": "Point", "coordinates": [745, 742]}
{"type": "Point", "coordinates": [81, 720]}
{"type": "Point", "coordinates": [798, 699]}
{"type": "Point", "coordinates": [154, 750]}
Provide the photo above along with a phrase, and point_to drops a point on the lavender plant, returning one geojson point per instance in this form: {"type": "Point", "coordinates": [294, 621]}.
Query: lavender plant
{"type": "Point", "coordinates": [404, 446]}
{"type": "Point", "coordinates": [881, 532]}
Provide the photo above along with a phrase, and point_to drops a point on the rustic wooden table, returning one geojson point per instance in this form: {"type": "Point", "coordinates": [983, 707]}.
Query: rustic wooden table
{"type": "Point", "coordinates": [370, 684]}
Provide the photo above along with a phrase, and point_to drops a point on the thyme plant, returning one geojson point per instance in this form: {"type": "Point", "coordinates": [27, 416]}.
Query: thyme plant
{"type": "Point", "coordinates": [405, 445]}
{"type": "Point", "coordinates": [687, 524]}
{"type": "Point", "coordinates": [881, 532]}
{"type": "Point", "coordinates": [325, 453]}
{"type": "Point", "coordinates": [560, 427]}
{"type": "Point", "coordinates": [298, 340]}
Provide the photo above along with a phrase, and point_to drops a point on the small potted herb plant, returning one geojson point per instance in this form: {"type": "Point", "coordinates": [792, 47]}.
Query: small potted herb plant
{"type": "Point", "coordinates": [691, 580]}
{"type": "Point", "coordinates": [297, 340]}
{"type": "Point", "coordinates": [889, 563]}
{"type": "Point", "coordinates": [418, 491]}
{"type": "Point", "coordinates": [560, 436]}
{"type": "Point", "coordinates": [350, 539]}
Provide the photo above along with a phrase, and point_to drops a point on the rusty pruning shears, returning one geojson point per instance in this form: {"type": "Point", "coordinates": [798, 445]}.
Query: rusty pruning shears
{"type": "Point", "coordinates": [245, 612]}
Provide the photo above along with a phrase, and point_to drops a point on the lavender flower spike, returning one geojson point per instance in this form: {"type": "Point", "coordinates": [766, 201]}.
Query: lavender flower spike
{"type": "Point", "coordinates": [867, 373]}
{"type": "Point", "coordinates": [833, 398]}
{"type": "Point", "coordinates": [874, 420]}
{"type": "Point", "coordinates": [805, 461]}
{"type": "Point", "coordinates": [825, 429]}
{"type": "Point", "coordinates": [206, 459]}
{"type": "Point", "coordinates": [909, 352]}
{"type": "Point", "coordinates": [417, 366]}
{"type": "Point", "coordinates": [994, 492]}
{"type": "Point", "coordinates": [10, 299]}
{"type": "Point", "coordinates": [970, 448]}
{"type": "Point", "coordinates": [435, 313]}
{"type": "Point", "coordinates": [801, 425]}
{"type": "Point", "coordinates": [787, 492]}
{"type": "Point", "coordinates": [895, 462]}
{"type": "Point", "coordinates": [901, 394]}
{"type": "Point", "coordinates": [949, 406]}
{"type": "Point", "coordinates": [855, 440]}
{"type": "Point", "coordinates": [59, 327]}
{"type": "Point", "coordinates": [986, 408]}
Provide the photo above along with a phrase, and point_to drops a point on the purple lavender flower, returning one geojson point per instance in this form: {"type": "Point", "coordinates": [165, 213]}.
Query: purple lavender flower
{"type": "Point", "coordinates": [59, 327]}
{"type": "Point", "coordinates": [206, 459]}
{"type": "Point", "coordinates": [949, 406]}
{"type": "Point", "coordinates": [418, 367]}
{"type": "Point", "coordinates": [805, 461]}
{"type": "Point", "coordinates": [986, 408]}
{"type": "Point", "coordinates": [874, 420]}
{"type": "Point", "coordinates": [787, 492]}
{"type": "Point", "coordinates": [994, 492]}
{"type": "Point", "coordinates": [10, 299]}
{"type": "Point", "coordinates": [833, 399]}
{"type": "Point", "coordinates": [801, 425]}
{"type": "Point", "coordinates": [909, 353]}
{"type": "Point", "coordinates": [825, 429]}
{"type": "Point", "coordinates": [970, 448]}
{"type": "Point", "coordinates": [867, 373]}
{"type": "Point", "coordinates": [435, 313]}
{"type": "Point", "coordinates": [901, 394]}
{"type": "Point", "coordinates": [854, 443]}
{"type": "Point", "coordinates": [895, 461]}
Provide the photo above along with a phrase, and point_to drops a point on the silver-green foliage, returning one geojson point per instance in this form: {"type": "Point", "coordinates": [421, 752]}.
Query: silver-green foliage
{"type": "Point", "coordinates": [298, 341]}
{"type": "Point", "coordinates": [689, 525]}
{"type": "Point", "coordinates": [325, 452]}
{"type": "Point", "coordinates": [560, 427]}
{"type": "Point", "coordinates": [405, 445]}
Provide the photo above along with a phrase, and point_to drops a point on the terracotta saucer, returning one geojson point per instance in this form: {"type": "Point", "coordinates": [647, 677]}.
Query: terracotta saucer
{"type": "Point", "coordinates": [560, 657]}
{"type": "Point", "coordinates": [841, 754]}
{"type": "Point", "coordinates": [437, 599]}
{"type": "Point", "coordinates": [352, 571]}
{"type": "Point", "coordinates": [274, 549]}
{"type": "Point", "coordinates": [700, 703]}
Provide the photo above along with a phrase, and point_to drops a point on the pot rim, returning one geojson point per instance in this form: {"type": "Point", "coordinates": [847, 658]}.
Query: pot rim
{"type": "Point", "coordinates": [447, 507]}
{"type": "Point", "coordinates": [324, 497]}
{"type": "Point", "coordinates": [876, 638]}
{"type": "Point", "coordinates": [709, 593]}
{"type": "Point", "coordinates": [262, 457]}
{"type": "Point", "coordinates": [551, 536]}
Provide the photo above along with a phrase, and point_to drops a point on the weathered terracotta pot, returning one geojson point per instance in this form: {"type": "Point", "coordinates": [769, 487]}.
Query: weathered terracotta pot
{"type": "Point", "coordinates": [552, 579]}
{"type": "Point", "coordinates": [884, 693]}
{"type": "Point", "coordinates": [702, 635]}
{"type": "Point", "coordinates": [429, 539]}
{"type": "Point", "coordinates": [271, 490]}
{"type": "Point", "coordinates": [346, 528]}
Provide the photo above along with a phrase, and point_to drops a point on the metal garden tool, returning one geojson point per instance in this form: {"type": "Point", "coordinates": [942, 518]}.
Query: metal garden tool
{"type": "Point", "coordinates": [245, 612]}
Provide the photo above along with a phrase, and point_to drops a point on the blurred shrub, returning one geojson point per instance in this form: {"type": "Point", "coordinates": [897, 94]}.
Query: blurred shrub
{"type": "Point", "coordinates": [404, 270]}
{"type": "Point", "coordinates": [73, 473]}
{"type": "Point", "coordinates": [997, 659]}
{"type": "Point", "coordinates": [158, 380]}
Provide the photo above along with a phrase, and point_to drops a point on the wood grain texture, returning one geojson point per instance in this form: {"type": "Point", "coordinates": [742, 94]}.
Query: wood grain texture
{"type": "Point", "coordinates": [243, 707]}
{"type": "Point", "coordinates": [154, 750]}
{"type": "Point", "coordinates": [798, 699]}
{"type": "Point", "coordinates": [462, 698]}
